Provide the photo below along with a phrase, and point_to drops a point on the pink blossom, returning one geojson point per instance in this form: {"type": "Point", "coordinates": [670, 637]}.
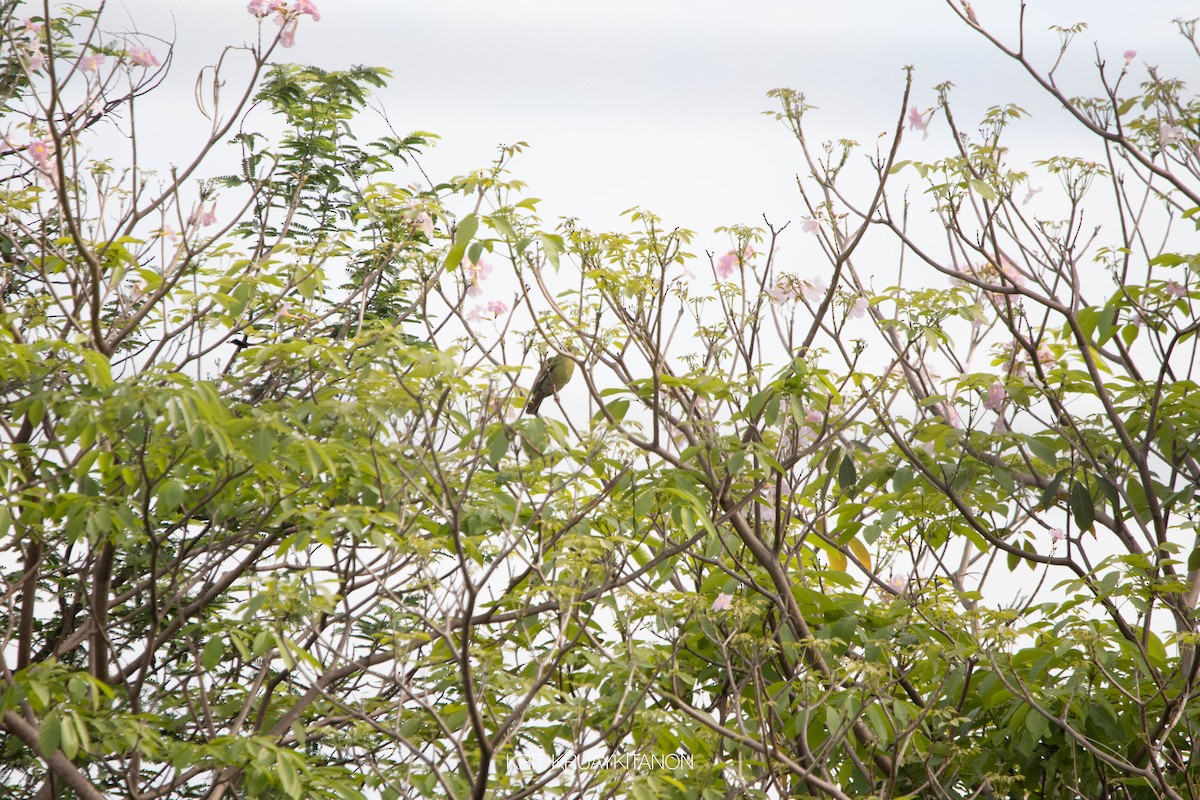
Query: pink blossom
{"type": "Point", "coordinates": [1046, 358]}
{"type": "Point", "coordinates": [307, 7]}
{"type": "Point", "coordinates": [493, 309]}
{"type": "Point", "coordinates": [31, 27]}
{"type": "Point", "coordinates": [36, 60]}
{"type": "Point", "coordinates": [726, 265]}
{"type": "Point", "coordinates": [425, 223]}
{"type": "Point", "coordinates": [1176, 289]}
{"type": "Point", "coordinates": [1130, 55]}
{"type": "Point", "coordinates": [898, 582]}
{"type": "Point", "coordinates": [285, 312]}
{"type": "Point", "coordinates": [287, 36]}
{"type": "Point", "coordinates": [996, 397]}
{"type": "Point", "coordinates": [815, 416]}
{"type": "Point", "coordinates": [91, 62]}
{"type": "Point", "coordinates": [813, 289]}
{"type": "Point", "coordinates": [723, 602]}
{"type": "Point", "coordinates": [476, 273]}
{"type": "Point", "coordinates": [169, 232]}
{"type": "Point", "coordinates": [917, 121]}
{"type": "Point", "coordinates": [810, 225]}
{"type": "Point", "coordinates": [257, 7]}
{"type": "Point", "coordinates": [39, 152]}
{"type": "Point", "coordinates": [1170, 134]}
{"type": "Point", "coordinates": [142, 57]}
{"type": "Point", "coordinates": [779, 293]}
{"type": "Point", "coordinates": [858, 309]}
{"type": "Point", "coordinates": [1057, 535]}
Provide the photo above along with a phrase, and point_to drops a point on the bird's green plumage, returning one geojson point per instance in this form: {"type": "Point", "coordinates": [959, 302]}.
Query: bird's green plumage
{"type": "Point", "coordinates": [553, 376]}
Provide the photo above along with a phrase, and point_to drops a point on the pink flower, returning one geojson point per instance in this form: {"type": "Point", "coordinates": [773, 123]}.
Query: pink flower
{"type": "Point", "coordinates": [859, 309]}
{"type": "Point", "coordinates": [39, 152]}
{"type": "Point", "coordinates": [205, 217]}
{"type": "Point", "coordinates": [810, 225]}
{"type": "Point", "coordinates": [1057, 535]}
{"type": "Point", "coordinates": [257, 7]}
{"type": "Point", "coordinates": [813, 289]}
{"type": "Point", "coordinates": [142, 57]}
{"type": "Point", "coordinates": [91, 62]}
{"type": "Point", "coordinates": [917, 121]}
{"type": "Point", "coordinates": [35, 59]}
{"type": "Point", "coordinates": [1176, 289]}
{"type": "Point", "coordinates": [815, 416]}
{"type": "Point", "coordinates": [1130, 55]}
{"type": "Point", "coordinates": [476, 273]}
{"type": "Point", "coordinates": [31, 27]}
{"type": "Point", "coordinates": [996, 397]}
{"type": "Point", "coordinates": [778, 293]}
{"type": "Point", "coordinates": [169, 232]}
{"type": "Point", "coordinates": [424, 222]}
{"type": "Point", "coordinates": [898, 582]}
{"type": "Point", "coordinates": [307, 7]}
{"type": "Point", "coordinates": [493, 309]}
{"type": "Point", "coordinates": [726, 264]}
{"type": "Point", "coordinates": [1046, 358]}
{"type": "Point", "coordinates": [1170, 134]}
{"type": "Point", "coordinates": [285, 312]}
{"type": "Point", "coordinates": [723, 602]}
{"type": "Point", "coordinates": [287, 36]}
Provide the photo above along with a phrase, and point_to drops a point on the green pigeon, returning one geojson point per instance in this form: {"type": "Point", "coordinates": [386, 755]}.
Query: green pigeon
{"type": "Point", "coordinates": [554, 374]}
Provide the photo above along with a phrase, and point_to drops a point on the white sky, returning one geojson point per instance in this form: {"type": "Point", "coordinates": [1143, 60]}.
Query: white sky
{"type": "Point", "coordinates": [657, 103]}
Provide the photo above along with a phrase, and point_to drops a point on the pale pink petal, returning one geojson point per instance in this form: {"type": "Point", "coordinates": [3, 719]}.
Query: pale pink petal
{"type": "Point", "coordinates": [996, 397]}
{"type": "Point", "coordinates": [307, 7]}
{"type": "Point", "coordinates": [813, 289]}
{"type": "Point", "coordinates": [726, 264]}
{"type": "Point", "coordinates": [142, 57]}
{"type": "Point", "coordinates": [919, 121]}
{"type": "Point", "coordinates": [1170, 134]}
{"type": "Point", "coordinates": [287, 36]}
{"type": "Point", "coordinates": [723, 602]}
{"type": "Point", "coordinates": [1130, 55]}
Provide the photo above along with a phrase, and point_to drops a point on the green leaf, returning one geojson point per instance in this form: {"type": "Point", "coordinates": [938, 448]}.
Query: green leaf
{"type": "Point", "coordinates": [553, 246]}
{"type": "Point", "coordinates": [846, 473]}
{"type": "Point", "coordinates": [1082, 507]}
{"type": "Point", "coordinates": [983, 190]}
{"type": "Point", "coordinates": [262, 445]}
{"type": "Point", "coordinates": [170, 495]}
{"type": "Point", "coordinates": [498, 446]}
{"type": "Point", "coordinates": [214, 651]}
{"type": "Point", "coordinates": [50, 735]}
{"type": "Point", "coordinates": [463, 234]}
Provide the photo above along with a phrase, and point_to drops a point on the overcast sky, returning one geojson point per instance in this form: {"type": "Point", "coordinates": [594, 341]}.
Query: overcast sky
{"type": "Point", "coordinates": [658, 103]}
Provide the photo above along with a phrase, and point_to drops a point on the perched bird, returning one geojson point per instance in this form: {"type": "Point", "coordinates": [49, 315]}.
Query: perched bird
{"type": "Point", "coordinates": [553, 376]}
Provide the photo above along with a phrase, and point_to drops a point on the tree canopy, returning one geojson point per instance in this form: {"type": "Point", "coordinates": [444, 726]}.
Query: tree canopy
{"type": "Point", "coordinates": [919, 521]}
